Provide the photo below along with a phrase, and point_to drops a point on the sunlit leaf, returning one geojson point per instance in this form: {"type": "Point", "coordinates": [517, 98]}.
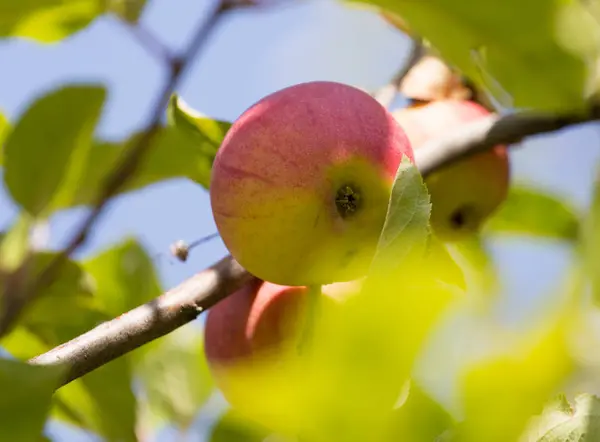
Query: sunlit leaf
{"type": "Point", "coordinates": [15, 244]}
{"type": "Point", "coordinates": [124, 277]}
{"type": "Point", "coordinates": [55, 131]}
{"type": "Point", "coordinates": [230, 427]}
{"type": "Point", "coordinates": [46, 20]}
{"type": "Point", "coordinates": [172, 155]}
{"type": "Point", "coordinates": [4, 129]}
{"type": "Point", "coordinates": [128, 10]}
{"type": "Point", "coordinates": [554, 413]}
{"type": "Point", "coordinates": [530, 211]}
{"type": "Point", "coordinates": [582, 426]}
{"type": "Point", "coordinates": [504, 51]}
{"type": "Point", "coordinates": [175, 378]}
{"type": "Point", "coordinates": [25, 399]}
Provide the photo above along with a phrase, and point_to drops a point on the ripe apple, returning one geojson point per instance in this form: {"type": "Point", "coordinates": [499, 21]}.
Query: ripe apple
{"type": "Point", "coordinates": [254, 324]}
{"type": "Point", "coordinates": [301, 183]}
{"type": "Point", "coordinates": [464, 194]}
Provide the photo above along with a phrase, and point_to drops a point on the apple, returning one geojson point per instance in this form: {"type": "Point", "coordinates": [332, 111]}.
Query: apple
{"type": "Point", "coordinates": [466, 193]}
{"type": "Point", "coordinates": [301, 183]}
{"type": "Point", "coordinates": [252, 325]}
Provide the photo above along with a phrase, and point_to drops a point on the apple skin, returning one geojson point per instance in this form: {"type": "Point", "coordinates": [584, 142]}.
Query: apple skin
{"type": "Point", "coordinates": [252, 325]}
{"type": "Point", "coordinates": [466, 193]}
{"type": "Point", "coordinates": [301, 183]}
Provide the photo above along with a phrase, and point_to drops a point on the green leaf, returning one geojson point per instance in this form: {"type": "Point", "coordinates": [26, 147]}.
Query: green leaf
{"type": "Point", "coordinates": [55, 130]}
{"type": "Point", "coordinates": [538, 56]}
{"type": "Point", "coordinates": [15, 243]}
{"type": "Point", "coordinates": [25, 400]}
{"type": "Point", "coordinates": [589, 242]}
{"type": "Point", "coordinates": [124, 277]}
{"type": "Point", "coordinates": [420, 418]}
{"type": "Point", "coordinates": [230, 427]}
{"type": "Point", "coordinates": [530, 211]}
{"type": "Point", "coordinates": [4, 129]}
{"type": "Point", "coordinates": [582, 426]}
{"type": "Point", "coordinates": [172, 155]}
{"type": "Point", "coordinates": [46, 21]}
{"type": "Point", "coordinates": [554, 413]}
{"type": "Point", "coordinates": [128, 10]}
{"type": "Point", "coordinates": [175, 378]}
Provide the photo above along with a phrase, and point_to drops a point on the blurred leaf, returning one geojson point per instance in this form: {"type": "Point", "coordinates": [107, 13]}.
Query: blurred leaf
{"type": "Point", "coordinates": [15, 244]}
{"type": "Point", "coordinates": [516, 385]}
{"type": "Point", "coordinates": [25, 399]}
{"type": "Point", "coordinates": [4, 129]}
{"type": "Point", "coordinates": [128, 10]}
{"type": "Point", "coordinates": [343, 385]}
{"type": "Point", "coordinates": [175, 378]}
{"type": "Point", "coordinates": [420, 418]}
{"type": "Point", "coordinates": [230, 427]}
{"type": "Point", "coordinates": [442, 265]}
{"type": "Point", "coordinates": [54, 131]}
{"type": "Point", "coordinates": [124, 277]}
{"type": "Point", "coordinates": [46, 21]}
{"type": "Point", "coordinates": [554, 413]}
{"type": "Point", "coordinates": [172, 155]}
{"type": "Point", "coordinates": [589, 243]}
{"type": "Point", "coordinates": [497, 48]}
{"type": "Point", "coordinates": [582, 426]}
{"type": "Point", "coordinates": [530, 211]}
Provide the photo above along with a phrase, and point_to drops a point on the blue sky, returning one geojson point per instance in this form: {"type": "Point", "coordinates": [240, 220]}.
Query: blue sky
{"type": "Point", "coordinates": [250, 55]}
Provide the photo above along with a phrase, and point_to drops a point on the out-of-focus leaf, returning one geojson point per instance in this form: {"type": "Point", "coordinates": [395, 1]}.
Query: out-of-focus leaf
{"type": "Point", "coordinates": [420, 418]}
{"type": "Point", "coordinates": [343, 385]}
{"type": "Point", "coordinates": [515, 385]}
{"type": "Point", "coordinates": [230, 427]}
{"type": "Point", "coordinates": [4, 129]}
{"type": "Point", "coordinates": [554, 413]}
{"type": "Point", "coordinates": [175, 378]}
{"type": "Point", "coordinates": [15, 244]}
{"type": "Point", "coordinates": [25, 399]}
{"type": "Point", "coordinates": [128, 10]}
{"type": "Point", "coordinates": [582, 426]}
{"type": "Point", "coordinates": [172, 155]}
{"type": "Point", "coordinates": [589, 242]}
{"type": "Point", "coordinates": [124, 277]}
{"type": "Point", "coordinates": [530, 211]}
{"type": "Point", "coordinates": [49, 143]}
{"type": "Point", "coordinates": [46, 21]}
{"type": "Point", "coordinates": [502, 50]}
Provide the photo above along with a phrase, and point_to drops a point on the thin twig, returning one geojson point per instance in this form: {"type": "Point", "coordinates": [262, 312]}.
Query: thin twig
{"type": "Point", "coordinates": [183, 303]}
{"type": "Point", "coordinates": [127, 167]}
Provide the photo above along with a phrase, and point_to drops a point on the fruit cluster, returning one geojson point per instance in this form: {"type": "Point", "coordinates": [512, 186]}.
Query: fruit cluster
{"type": "Point", "coordinates": [299, 193]}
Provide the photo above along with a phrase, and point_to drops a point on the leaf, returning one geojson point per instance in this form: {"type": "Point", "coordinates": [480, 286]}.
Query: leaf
{"type": "Point", "coordinates": [175, 378]}
{"type": "Point", "coordinates": [589, 242]}
{"type": "Point", "coordinates": [25, 401]}
{"type": "Point", "coordinates": [4, 129]}
{"type": "Point", "coordinates": [124, 277]}
{"type": "Point", "coordinates": [530, 211]}
{"type": "Point", "coordinates": [172, 155]}
{"type": "Point", "coordinates": [554, 413]}
{"type": "Point", "coordinates": [420, 418]}
{"type": "Point", "coordinates": [497, 48]}
{"type": "Point", "coordinates": [128, 10]}
{"type": "Point", "coordinates": [583, 426]}
{"type": "Point", "coordinates": [230, 427]}
{"type": "Point", "coordinates": [55, 130]}
{"type": "Point", "coordinates": [46, 21]}
{"type": "Point", "coordinates": [15, 243]}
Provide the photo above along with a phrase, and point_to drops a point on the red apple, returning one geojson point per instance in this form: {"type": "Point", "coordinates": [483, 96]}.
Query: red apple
{"type": "Point", "coordinates": [301, 183]}
{"type": "Point", "coordinates": [464, 194]}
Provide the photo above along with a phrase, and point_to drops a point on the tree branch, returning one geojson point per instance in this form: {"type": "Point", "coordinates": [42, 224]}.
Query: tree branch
{"type": "Point", "coordinates": [128, 165]}
{"type": "Point", "coordinates": [185, 302]}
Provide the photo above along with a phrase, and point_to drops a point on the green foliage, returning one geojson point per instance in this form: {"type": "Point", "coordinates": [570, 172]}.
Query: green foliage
{"type": "Point", "coordinates": [128, 10]}
{"type": "Point", "coordinates": [54, 133]}
{"type": "Point", "coordinates": [538, 56]}
{"type": "Point", "coordinates": [4, 129]}
{"type": "Point", "coordinates": [230, 427]}
{"type": "Point", "coordinates": [175, 378]}
{"type": "Point", "coordinates": [46, 21]}
{"type": "Point", "coordinates": [529, 211]}
{"type": "Point", "coordinates": [590, 243]}
{"type": "Point", "coordinates": [25, 400]}
{"type": "Point", "coordinates": [581, 424]}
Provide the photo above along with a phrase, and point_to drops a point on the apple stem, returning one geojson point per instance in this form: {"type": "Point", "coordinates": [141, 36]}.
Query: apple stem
{"type": "Point", "coordinates": [313, 296]}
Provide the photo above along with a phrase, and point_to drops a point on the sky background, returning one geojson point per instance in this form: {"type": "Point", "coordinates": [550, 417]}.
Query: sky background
{"type": "Point", "coordinates": [251, 55]}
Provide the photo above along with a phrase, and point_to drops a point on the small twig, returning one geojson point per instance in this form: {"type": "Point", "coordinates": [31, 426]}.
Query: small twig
{"type": "Point", "coordinates": [126, 168]}
{"type": "Point", "coordinates": [147, 322]}
{"type": "Point", "coordinates": [183, 303]}
{"type": "Point", "coordinates": [387, 94]}
{"type": "Point", "coordinates": [181, 250]}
